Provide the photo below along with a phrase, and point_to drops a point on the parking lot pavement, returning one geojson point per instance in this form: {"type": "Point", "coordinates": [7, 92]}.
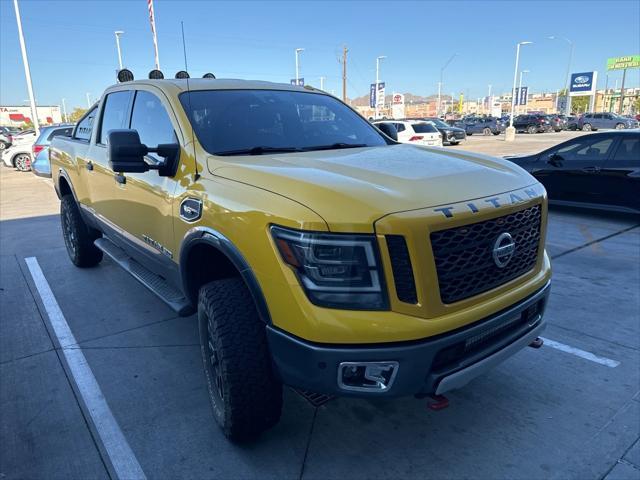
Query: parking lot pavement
{"type": "Point", "coordinates": [568, 410]}
{"type": "Point", "coordinates": [523, 144]}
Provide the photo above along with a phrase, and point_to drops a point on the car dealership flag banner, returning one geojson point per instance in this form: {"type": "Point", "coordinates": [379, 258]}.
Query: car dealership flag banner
{"type": "Point", "coordinates": [152, 20]}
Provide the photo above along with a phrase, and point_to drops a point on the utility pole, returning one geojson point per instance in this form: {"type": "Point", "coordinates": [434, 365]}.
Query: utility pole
{"type": "Point", "coordinates": [298, 51]}
{"type": "Point", "coordinates": [624, 74]}
{"type": "Point", "coordinates": [27, 71]}
{"type": "Point", "coordinates": [344, 73]}
{"type": "Point", "coordinates": [64, 111]}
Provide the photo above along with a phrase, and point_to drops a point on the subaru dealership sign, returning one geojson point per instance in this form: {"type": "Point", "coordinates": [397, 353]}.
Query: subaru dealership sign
{"type": "Point", "coordinates": [583, 83]}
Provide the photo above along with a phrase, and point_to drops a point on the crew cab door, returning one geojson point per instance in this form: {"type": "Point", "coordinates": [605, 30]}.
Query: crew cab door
{"type": "Point", "coordinates": [144, 201]}
{"type": "Point", "coordinates": [101, 180]}
{"type": "Point", "coordinates": [573, 172]}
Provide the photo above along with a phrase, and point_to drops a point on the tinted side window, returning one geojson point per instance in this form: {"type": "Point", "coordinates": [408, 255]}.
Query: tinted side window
{"type": "Point", "coordinates": [628, 151]}
{"type": "Point", "coordinates": [597, 115]}
{"type": "Point", "coordinates": [400, 127]}
{"type": "Point", "coordinates": [151, 120]}
{"type": "Point", "coordinates": [65, 132]}
{"type": "Point", "coordinates": [114, 114]}
{"type": "Point", "coordinates": [85, 126]}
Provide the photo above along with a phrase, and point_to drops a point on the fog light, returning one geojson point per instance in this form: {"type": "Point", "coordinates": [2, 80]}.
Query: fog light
{"type": "Point", "coordinates": [367, 376]}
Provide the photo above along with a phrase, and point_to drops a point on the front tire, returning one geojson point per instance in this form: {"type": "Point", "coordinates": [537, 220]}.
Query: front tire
{"type": "Point", "coordinates": [586, 127]}
{"type": "Point", "coordinates": [532, 129]}
{"type": "Point", "coordinates": [619, 126]}
{"type": "Point", "coordinates": [245, 395]}
{"type": "Point", "coordinates": [486, 131]}
{"type": "Point", "coordinates": [78, 236]}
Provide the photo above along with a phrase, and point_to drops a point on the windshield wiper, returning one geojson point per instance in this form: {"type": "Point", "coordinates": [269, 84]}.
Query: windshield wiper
{"type": "Point", "coordinates": [258, 150]}
{"type": "Point", "coordinates": [334, 146]}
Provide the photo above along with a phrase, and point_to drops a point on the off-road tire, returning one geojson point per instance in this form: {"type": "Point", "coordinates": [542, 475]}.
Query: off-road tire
{"type": "Point", "coordinates": [78, 236]}
{"type": "Point", "coordinates": [246, 396]}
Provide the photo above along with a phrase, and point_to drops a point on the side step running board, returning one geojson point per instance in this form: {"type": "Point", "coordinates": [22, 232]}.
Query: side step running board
{"type": "Point", "coordinates": [158, 285]}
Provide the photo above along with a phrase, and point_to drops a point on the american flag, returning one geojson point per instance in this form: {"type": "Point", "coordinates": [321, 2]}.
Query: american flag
{"type": "Point", "coordinates": [153, 30]}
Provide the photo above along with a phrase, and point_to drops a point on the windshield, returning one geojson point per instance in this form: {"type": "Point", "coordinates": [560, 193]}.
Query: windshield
{"type": "Point", "coordinates": [438, 123]}
{"type": "Point", "coordinates": [236, 122]}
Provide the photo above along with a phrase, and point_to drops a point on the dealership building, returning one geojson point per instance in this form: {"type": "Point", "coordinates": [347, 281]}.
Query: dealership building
{"type": "Point", "coordinates": [17, 116]}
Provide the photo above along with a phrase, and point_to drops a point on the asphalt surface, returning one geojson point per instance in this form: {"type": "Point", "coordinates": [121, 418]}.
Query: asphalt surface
{"type": "Point", "coordinates": [568, 411]}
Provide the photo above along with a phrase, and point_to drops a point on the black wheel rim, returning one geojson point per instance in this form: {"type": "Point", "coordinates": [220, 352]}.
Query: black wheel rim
{"type": "Point", "coordinates": [213, 363]}
{"type": "Point", "coordinates": [69, 234]}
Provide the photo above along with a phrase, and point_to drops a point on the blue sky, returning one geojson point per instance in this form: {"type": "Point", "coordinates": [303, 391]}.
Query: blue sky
{"type": "Point", "coordinates": [72, 50]}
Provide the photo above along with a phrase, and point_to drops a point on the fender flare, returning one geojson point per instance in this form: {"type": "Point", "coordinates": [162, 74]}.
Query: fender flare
{"type": "Point", "coordinates": [56, 185]}
{"type": "Point", "coordinates": [205, 235]}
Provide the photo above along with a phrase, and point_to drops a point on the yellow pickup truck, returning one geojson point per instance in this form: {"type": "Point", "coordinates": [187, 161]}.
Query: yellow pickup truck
{"type": "Point", "coordinates": [316, 250]}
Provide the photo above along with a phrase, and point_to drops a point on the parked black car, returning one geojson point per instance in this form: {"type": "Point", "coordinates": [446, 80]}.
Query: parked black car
{"type": "Point", "coordinates": [600, 170]}
{"type": "Point", "coordinates": [533, 123]}
{"type": "Point", "coordinates": [484, 125]}
{"type": "Point", "coordinates": [571, 121]}
{"type": "Point", "coordinates": [450, 135]}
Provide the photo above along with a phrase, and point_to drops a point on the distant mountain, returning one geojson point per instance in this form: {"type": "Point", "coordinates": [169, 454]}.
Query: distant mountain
{"type": "Point", "coordinates": [408, 98]}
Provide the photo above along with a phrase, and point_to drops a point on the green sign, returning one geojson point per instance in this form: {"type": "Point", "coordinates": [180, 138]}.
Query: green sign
{"type": "Point", "coordinates": [621, 63]}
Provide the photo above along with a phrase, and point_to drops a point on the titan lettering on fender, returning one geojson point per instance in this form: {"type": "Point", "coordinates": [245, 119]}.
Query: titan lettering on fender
{"type": "Point", "coordinates": [505, 199]}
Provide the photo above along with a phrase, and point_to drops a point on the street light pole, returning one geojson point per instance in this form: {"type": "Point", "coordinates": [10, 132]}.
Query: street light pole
{"type": "Point", "coordinates": [64, 111]}
{"type": "Point", "coordinates": [489, 102]}
{"type": "Point", "coordinates": [441, 75]}
{"type": "Point", "coordinates": [298, 51]}
{"type": "Point", "coordinates": [381, 57]}
{"type": "Point", "coordinates": [88, 100]}
{"type": "Point", "coordinates": [117, 34]}
{"type": "Point", "coordinates": [568, 74]}
{"type": "Point", "coordinates": [27, 71]}
{"type": "Point", "coordinates": [510, 133]}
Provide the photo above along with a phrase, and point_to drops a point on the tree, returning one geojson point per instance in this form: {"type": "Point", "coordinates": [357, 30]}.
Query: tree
{"type": "Point", "coordinates": [77, 114]}
{"type": "Point", "coordinates": [580, 104]}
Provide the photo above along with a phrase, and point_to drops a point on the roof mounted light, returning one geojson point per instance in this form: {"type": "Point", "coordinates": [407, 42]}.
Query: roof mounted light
{"type": "Point", "coordinates": [156, 75]}
{"type": "Point", "coordinates": [125, 75]}
{"type": "Point", "coordinates": [209, 75]}
{"type": "Point", "coordinates": [182, 74]}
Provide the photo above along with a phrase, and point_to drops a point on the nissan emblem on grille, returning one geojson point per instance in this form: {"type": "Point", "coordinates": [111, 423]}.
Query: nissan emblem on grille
{"type": "Point", "coordinates": [503, 249]}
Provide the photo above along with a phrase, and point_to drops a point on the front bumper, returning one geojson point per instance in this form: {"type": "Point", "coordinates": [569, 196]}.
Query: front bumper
{"type": "Point", "coordinates": [433, 365]}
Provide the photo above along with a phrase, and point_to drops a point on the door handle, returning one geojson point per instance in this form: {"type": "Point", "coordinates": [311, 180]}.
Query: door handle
{"type": "Point", "coordinates": [121, 179]}
{"type": "Point", "coordinates": [89, 165]}
{"type": "Point", "coordinates": [591, 169]}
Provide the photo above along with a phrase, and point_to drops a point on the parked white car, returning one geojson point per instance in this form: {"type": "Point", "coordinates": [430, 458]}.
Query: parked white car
{"type": "Point", "coordinates": [416, 132]}
{"type": "Point", "coordinates": [18, 155]}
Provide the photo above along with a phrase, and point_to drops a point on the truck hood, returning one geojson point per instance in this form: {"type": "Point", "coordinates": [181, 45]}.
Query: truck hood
{"type": "Point", "coordinates": [352, 188]}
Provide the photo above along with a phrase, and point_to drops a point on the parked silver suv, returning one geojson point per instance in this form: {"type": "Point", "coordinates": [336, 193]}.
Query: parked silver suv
{"type": "Point", "coordinates": [594, 121]}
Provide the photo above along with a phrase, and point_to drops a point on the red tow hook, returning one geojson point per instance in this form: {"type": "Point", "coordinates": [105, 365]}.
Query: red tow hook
{"type": "Point", "coordinates": [537, 343]}
{"type": "Point", "coordinates": [437, 402]}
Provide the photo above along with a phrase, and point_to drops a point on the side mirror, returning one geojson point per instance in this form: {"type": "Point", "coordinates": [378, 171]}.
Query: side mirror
{"type": "Point", "coordinates": [127, 154]}
{"type": "Point", "coordinates": [389, 130]}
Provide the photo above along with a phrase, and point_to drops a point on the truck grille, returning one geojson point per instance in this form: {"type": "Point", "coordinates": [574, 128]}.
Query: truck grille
{"type": "Point", "coordinates": [402, 270]}
{"type": "Point", "coordinates": [464, 255]}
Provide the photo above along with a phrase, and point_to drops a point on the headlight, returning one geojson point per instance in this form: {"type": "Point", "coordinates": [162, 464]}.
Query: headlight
{"type": "Point", "coordinates": [335, 270]}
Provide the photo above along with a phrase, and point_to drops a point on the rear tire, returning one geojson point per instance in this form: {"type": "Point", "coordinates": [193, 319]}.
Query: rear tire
{"type": "Point", "coordinates": [78, 236]}
{"type": "Point", "coordinates": [532, 129]}
{"type": "Point", "coordinates": [586, 127]}
{"type": "Point", "coordinates": [619, 126]}
{"type": "Point", "coordinates": [245, 395]}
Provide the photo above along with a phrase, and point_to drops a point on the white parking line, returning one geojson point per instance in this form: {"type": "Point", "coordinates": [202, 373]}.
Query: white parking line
{"type": "Point", "coordinates": [580, 353]}
{"type": "Point", "coordinates": [123, 461]}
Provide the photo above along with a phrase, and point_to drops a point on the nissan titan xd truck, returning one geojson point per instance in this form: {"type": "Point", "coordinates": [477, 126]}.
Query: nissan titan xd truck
{"type": "Point", "coordinates": [315, 251]}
